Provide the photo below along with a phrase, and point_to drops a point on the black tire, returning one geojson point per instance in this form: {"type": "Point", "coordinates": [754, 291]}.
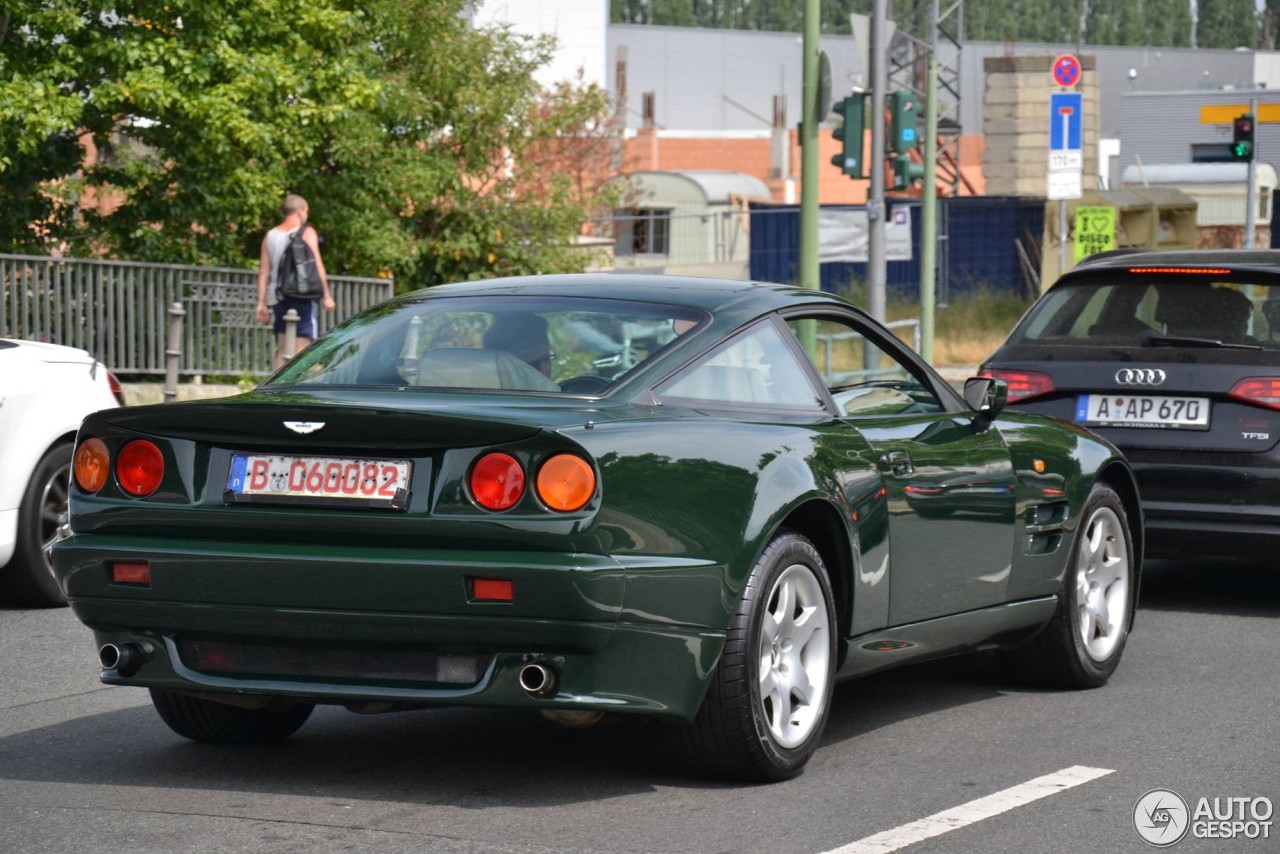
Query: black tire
{"type": "Point", "coordinates": [735, 734]}
{"type": "Point", "coordinates": [220, 723]}
{"type": "Point", "coordinates": [1060, 656]}
{"type": "Point", "coordinates": [28, 578]}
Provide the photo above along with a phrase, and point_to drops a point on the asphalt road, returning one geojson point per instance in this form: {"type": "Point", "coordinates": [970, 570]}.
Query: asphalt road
{"type": "Point", "coordinates": [1193, 708]}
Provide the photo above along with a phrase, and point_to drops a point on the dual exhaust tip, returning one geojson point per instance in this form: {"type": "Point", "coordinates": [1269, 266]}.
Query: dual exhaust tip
{"type": "Point", "coordinates": [537, 680]}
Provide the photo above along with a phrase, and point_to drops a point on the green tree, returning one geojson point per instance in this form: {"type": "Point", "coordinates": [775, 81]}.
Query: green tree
{"type": "Point", "coordinates": [1268, 25]}
{"type": "Point", "coordinates": [1226, 23]}
{"type": "Point", "coordinates": [403, 125]}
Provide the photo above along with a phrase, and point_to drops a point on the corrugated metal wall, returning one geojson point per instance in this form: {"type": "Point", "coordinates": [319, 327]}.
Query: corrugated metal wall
{"type": "Point", "coordinates": [1161, 127]}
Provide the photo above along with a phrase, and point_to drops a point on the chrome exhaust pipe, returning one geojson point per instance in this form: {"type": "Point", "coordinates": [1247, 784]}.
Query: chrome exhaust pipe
{"type": "Point", "coordinates": [126, 658]}
{"type": "Point", "coordinates": [538, 680]}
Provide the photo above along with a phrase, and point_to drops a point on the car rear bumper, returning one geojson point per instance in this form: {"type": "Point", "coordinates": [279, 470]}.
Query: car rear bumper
{"type": "Point", "coordinates": [1198, 503]}
{"type": "Point", "coordinates": [1175, 530]}
{"type": "Point", "coordinates": [387, 628]}
{"type": "Point", "coordinates": [8, 534]}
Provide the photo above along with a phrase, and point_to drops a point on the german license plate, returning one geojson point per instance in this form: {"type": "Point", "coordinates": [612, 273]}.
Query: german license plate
{"type": "Point", "coordinates": [1123, 410]}
{"type": "Point", "coordinates": [319, 481]}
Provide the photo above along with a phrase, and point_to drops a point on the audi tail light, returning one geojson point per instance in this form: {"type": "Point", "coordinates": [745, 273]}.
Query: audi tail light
{"type": "Point", "coordinates": [1259, 391]}
{"type": "Point", "coordinates": [1022, 384]}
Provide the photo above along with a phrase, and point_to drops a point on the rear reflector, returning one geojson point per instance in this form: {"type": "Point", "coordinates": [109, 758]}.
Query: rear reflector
{"type": "Point", "coordinates": [1181, 271]}
{"type": "Point", "coordinates": [1259, 391]}
{"type": "Point", "coordinates": [492, 589]}
{"type": "Point", "coordinates": [131, 573]}
{"type": "Point", "coordinates": [1022, 384]}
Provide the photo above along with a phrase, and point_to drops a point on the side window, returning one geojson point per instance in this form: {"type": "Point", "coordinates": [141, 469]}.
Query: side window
{"type": "Point", "coordinates": [755, 369]}
{"type": "Point", "coordinates": [864, 379]}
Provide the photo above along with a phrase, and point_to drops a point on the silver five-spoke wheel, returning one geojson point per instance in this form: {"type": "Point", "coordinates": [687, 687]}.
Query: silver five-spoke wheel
{"type": "Point", "coordinates": [1102, 584]}
{"type": "Point", "coordinates": [1081, 645]}
{"type": "Point", "coordinates": [794, 656]}
{"type": "Point", "coordinates": [767, 703]}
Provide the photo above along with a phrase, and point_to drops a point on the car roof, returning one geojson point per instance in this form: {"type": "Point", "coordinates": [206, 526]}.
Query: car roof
{"type": "Point", "coordinates": [686, 291]}
{"type": "Point", "coordinates": [1240, 260]}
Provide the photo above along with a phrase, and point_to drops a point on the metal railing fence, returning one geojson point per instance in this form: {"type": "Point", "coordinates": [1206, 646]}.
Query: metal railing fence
{"type": "Point", "coordinates": [116, 310]}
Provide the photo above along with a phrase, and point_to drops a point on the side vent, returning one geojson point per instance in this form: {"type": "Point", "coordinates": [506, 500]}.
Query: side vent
{"type": "Point", "coordinates": [1044, 527]}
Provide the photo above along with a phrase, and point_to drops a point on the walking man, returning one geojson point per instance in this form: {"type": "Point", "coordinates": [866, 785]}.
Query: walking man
{"type": "Point", "coordinates": [270, 302]}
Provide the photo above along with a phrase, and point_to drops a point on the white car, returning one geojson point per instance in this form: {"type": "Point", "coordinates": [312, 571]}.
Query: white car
{"type": "Point", "coordinates": [46, 390]}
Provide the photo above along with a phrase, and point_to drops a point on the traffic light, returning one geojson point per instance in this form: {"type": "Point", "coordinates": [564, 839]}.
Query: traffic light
{"type": "Point", "coordinates": [906, 172]}
{"type": "Point", "coordinates": [904, 119]}
{"type": "Point", "coordinates": [1242, 138]}
{"type": "Point", "coordinates": [852, 110]}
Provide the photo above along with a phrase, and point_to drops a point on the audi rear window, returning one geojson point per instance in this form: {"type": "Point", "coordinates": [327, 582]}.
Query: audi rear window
{"type": "Point", "coordinates": [1120, 308]}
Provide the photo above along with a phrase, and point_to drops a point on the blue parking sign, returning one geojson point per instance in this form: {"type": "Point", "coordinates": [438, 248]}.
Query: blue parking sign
{"type": "Point", "coordinates": [1066, 116]}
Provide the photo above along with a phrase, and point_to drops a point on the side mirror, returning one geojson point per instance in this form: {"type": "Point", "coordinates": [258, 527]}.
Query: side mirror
{"type": "Point", "coordinates": [986, 396]}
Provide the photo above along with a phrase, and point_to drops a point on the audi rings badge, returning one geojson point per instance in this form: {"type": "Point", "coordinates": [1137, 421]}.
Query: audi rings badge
{"type": "Point", "coordinates": [1140, 376]}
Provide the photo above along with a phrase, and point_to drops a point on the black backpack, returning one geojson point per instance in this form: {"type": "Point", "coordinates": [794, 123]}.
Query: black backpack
{"type": "Point", "coordinates": [296, 276]}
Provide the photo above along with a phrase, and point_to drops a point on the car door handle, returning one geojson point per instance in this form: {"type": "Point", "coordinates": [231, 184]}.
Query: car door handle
{"type": "Point", "coordinates": [898, 463]}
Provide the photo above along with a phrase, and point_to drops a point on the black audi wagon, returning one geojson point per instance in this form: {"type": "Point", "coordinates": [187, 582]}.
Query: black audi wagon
{"type": "Point", "coordinates": [1174, 357]}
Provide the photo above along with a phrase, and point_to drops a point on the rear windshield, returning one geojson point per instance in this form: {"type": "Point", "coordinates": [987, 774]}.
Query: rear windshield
{"type": "Point", "coordinates": [526, 344]}
{"type": "Point", "coordinates": [1122, 308]}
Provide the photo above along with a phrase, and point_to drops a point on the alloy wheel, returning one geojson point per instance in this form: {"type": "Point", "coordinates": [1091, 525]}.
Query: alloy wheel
{"type": "Point", "coordinates": [1102, 584]}
{"type": "Point", "coordinates": [794, 656]}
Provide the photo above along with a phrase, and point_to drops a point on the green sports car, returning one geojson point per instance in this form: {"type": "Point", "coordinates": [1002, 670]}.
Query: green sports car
{"type": "Point", "coordinates": [700, 501]}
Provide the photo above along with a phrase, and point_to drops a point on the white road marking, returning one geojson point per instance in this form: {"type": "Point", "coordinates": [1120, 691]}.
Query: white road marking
{"type": "Point", "coordinates": [974, 811]}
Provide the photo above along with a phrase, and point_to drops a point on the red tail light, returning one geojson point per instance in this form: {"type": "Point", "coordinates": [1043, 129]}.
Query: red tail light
{"type": "Point", "coordinates": [497, 481]}
{"type": "Point", "coordinates": [1022, 384]}
{"type": "Point", "coordinates": [139, 468]}
{"type": "Point", "coordinates": [1259, 391]}
{"type": "Point", "coordinates": [116, 390]}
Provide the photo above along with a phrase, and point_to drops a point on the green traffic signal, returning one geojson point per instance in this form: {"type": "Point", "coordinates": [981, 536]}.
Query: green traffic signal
{"type": "Point", "coordinates": [906, 172]}
{"type": "Point", "coordinates": [1242, 137]}
{"type": "Point", "coordinates": [904, 121]}
{"type": "Point", "coordinates": [852, 110]}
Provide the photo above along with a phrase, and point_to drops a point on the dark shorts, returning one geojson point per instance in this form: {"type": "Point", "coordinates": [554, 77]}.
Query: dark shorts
{"type": "Point", "coordinates": [306, 309]}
